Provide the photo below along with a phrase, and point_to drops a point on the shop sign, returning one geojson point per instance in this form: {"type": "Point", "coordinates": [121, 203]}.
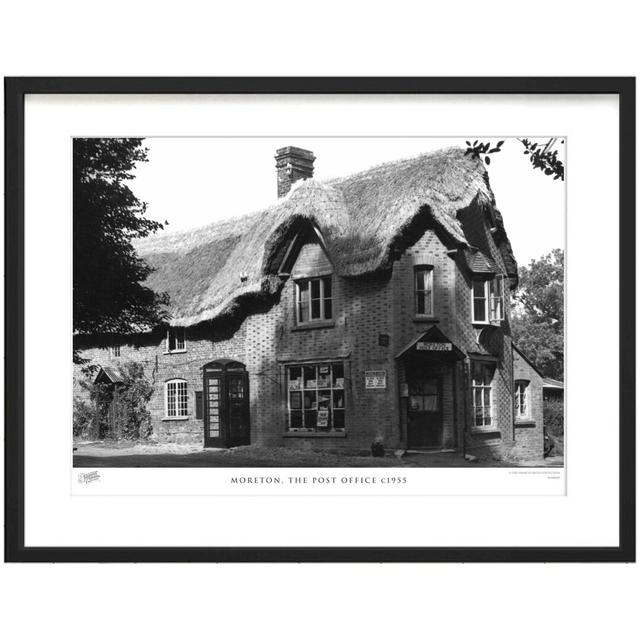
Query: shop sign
{"type": "Point", "coordinates": [323, 417]}
{"type": "Point", "coordinates": [433, 346]}
{"type": "Point", "coordinates": [375, 379]}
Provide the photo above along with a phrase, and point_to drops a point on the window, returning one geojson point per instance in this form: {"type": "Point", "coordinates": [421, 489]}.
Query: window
{"type": "Point", "coordinates": [313, 300]}
{"type": "Point", "coordinates": [496, 298]}
{"type": "Point", "coordinates": [423, 285]}
{"type": "Point", "coordinates": [488, 299]}
{"type": "Point", "coordinates": [315, 397]}
{"type": "Point", "coordinates": [522, 399]}
{"type": "Point", "coordinates": [481, 388]}
{"type": "Point", "coordinates": [114, 351]}
{"type": "Point", "coordinates": [176, 340]}
{"type": "Point", "coordinates": [175, 405]}
{"type": "Point", "coordinates": [424, 395]}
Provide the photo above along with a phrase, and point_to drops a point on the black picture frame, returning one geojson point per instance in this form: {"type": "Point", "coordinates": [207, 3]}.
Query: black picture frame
{"type": "Point", "coordinates": [15, 91]}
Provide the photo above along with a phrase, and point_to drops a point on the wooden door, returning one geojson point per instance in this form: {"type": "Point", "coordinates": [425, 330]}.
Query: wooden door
{"type": "Point", "coordinates": [424, 412]}
{"type": "Point", "coordinates": [237, 409]}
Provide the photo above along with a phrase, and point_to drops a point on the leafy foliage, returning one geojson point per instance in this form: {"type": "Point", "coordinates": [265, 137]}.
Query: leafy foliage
{"type": "Point", "coordinates": [537, 324]}
{"type": "Point", "coordinates": [554, 416]}
{"type": "Point", "coordinates": [540, 155]}
{"type": "Point", "coordinates": [83, 415]}
{"type": "Point", "coordinates": [543, 158]}
{"type": "Point", "coordinates": [482, 149]}
{"type": "Point", "coordinates": [108, 294]}
{"type": "Point", "coordinates": [115, 413]}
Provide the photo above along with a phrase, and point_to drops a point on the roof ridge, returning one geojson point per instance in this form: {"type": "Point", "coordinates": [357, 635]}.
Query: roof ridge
{"type": "Point", "coordinates": [398, 163]}
{"type": "Point", "coordinates": [155, 241]}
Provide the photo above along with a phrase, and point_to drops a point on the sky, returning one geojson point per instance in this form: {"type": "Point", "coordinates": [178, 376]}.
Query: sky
{"type": "Point", "coordinates": [191, 182]}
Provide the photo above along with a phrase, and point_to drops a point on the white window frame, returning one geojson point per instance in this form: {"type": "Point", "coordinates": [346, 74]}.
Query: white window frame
{"type": "Point", "coordinates": [306, 282]}
{"type": "Point", "coordinates": [493, 304]}
{"type": "Point", "coordinates": [180, 408]}
{"type": "Point", "coordinates": [496, 301]}
{"type": "Point", "coordinates": [521, 396]}
{"type": "Point", "coordinates": [490, 426]}
{"type": "Point", "coordinates": [333, 387]}
{"type": "Point", "coordinates": [417, 269]}
{"type": "Point", "coordinates": [178, 331]}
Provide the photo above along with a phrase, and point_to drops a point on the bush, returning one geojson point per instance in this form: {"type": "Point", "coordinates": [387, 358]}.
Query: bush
{"type": "Point", "coordinates": [554, 416]}
{"type": "Point", "coordinates": [83, 416]}
{"type": "Point", "coordinates": [116, 412]}
{"type": "Point", "coordinates": [134, 419]}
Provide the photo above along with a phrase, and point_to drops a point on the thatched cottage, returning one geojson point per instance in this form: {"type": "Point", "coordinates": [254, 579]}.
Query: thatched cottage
{"type": "Point", "coordinates": [369, 307]}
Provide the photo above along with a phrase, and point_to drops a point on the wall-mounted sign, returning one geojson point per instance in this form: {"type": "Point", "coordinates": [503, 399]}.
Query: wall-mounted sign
{"type": "Point", "coordinates": [434, 346]}
{"type": "Point", "coordinates": [375, 379]}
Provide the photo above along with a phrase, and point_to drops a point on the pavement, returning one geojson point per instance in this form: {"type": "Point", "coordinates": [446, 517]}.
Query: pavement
{"type": "Point", "coordinates": [100, 454]}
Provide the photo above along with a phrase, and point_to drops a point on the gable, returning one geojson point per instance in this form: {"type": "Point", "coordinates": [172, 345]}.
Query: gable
{"type": "Point", "coordinates": [522, 366]}
{"type": "Point", "coordinates": [311, 261]}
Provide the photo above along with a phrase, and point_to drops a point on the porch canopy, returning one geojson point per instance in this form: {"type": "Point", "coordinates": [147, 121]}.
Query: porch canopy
{"type": "Point", "coordinates": [433, 343]}
{"type": "Point", "coordinates": [108, 374]}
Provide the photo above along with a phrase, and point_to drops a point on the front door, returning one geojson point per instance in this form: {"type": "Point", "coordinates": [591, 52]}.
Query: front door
{"type": "Point", "coordinates": [226, 405]}
{"type": "Point", "coordinates": [424, 412]}
{"type": "Point", "coordinates": [237, 409]}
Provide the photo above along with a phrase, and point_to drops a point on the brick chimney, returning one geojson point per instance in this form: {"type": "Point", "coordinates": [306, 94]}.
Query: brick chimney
{"type": "Point", "coordinates": [292, 164]}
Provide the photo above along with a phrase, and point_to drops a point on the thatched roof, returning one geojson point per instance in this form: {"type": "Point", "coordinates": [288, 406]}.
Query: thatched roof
{"type": "Point", "coordinates": [364, 220]}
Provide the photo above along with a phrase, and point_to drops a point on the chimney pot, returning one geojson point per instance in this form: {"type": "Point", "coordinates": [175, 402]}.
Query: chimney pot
{"type": "Point", "coordinates": [292, 164]}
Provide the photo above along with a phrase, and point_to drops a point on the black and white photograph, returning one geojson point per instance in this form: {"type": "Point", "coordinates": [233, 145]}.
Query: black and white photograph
{"type": "Point", "coordinates": [367, 310]}
{"type": "Point", "coordinates": [318, 301]}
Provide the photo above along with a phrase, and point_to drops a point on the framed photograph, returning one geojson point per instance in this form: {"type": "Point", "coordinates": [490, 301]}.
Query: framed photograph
{"type": "Point", "coordinates": [400, 310]}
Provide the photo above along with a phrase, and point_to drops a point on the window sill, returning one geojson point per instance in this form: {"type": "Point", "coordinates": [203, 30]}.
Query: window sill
{"type": "Point", "coordinates": [168, 353]}
{"type": "Point", "coordinates": [314, 434]}
{"type": "Point", "coordinates": [525, 422]}
{"type": "Point", "coordinates": [315, 325]}
{"type": "Point", "coordinates": [426, 319]}
{"type": "Point", "coordinates": [485, 430]}
{"type": "Point", "coordinates": [171, 419]}
{"type": "Point", "coordinates": [493, 323]}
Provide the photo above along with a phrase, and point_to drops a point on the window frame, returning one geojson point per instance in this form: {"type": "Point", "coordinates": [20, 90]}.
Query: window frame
{"type": "Point", "coordinates": [489, 297]}
{"type": "Point", "coordinates": [499, 280]}
{"type": "Point", "coordinates": [167, 343]}
{"type": "Point", "coordinates": [114, 351]}
{"type": "Point", "coordinates": [524, 397]}
{"type": "Point", "coordinates": [323, 299]}
{"type": "Point", "coordinates": [491, 425]}
{"type": "Point", "coordinates": [417, 270]}
{"type": "Point", "coordinates": [303, 389]}
{"type": "Point", "coordinates": [179, 406]}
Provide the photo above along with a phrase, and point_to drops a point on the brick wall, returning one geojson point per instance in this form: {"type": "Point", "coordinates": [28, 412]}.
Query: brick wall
{"type": "Point", "coordinates": [529, 432]}
{"type": "Point", "coordinates": [364, 308]}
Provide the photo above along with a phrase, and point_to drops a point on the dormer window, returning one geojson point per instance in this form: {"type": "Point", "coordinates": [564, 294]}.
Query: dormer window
{"type": "Point", "coordinates": [176, 341]}
{"type": "Point", "coordinates": [488, 299]}
{"type": "Point", "coordinates": [423, 286]}
{"type": "Point", "coordinates": [313, 300]}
